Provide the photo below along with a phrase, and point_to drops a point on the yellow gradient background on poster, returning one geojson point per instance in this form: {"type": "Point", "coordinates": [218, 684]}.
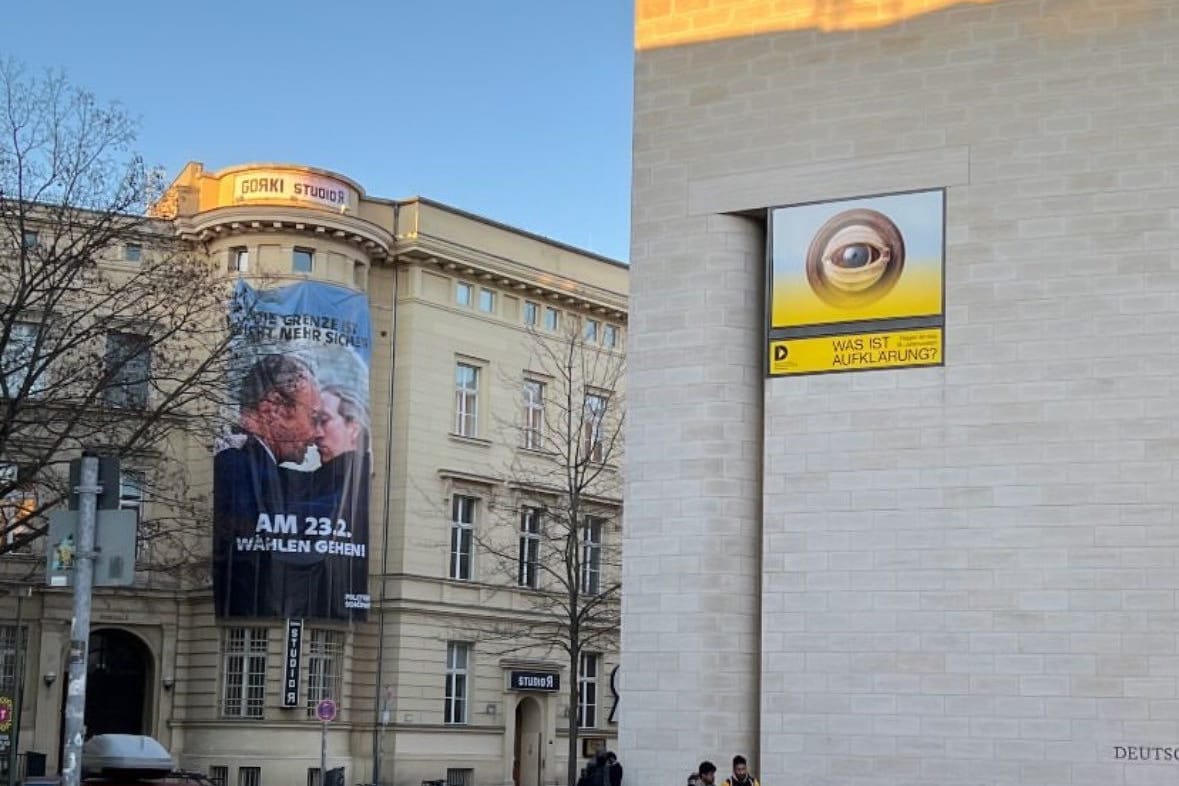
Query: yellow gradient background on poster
{"type": "Point", "coordinates": [917, 216]}
{"type": "Point", "coordinates": [917, 293]}
{"type": "Point", "coordinates": [857, 352]}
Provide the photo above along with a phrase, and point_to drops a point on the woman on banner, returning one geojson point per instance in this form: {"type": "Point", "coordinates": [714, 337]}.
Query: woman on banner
{"type": "Point", "coordinates": [341, 485]}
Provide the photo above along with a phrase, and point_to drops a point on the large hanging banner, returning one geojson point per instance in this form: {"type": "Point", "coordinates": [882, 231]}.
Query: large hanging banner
{"type": "Point", "coordinates": [291, 477]}
{"type": "Point", "coordinates": [857, 284]}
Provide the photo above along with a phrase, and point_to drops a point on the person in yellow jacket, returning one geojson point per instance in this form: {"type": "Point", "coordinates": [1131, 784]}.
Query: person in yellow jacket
{"type": "Point", "coordinates": [741, 775]}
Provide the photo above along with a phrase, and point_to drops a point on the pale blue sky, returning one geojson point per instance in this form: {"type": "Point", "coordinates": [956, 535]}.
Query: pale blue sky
{"type": "Point", "coordinates": [517, 110]}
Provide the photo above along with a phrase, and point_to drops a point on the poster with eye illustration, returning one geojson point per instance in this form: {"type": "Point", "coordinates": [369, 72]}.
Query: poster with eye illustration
{"type": "Point", "coordinates": [857, 284]}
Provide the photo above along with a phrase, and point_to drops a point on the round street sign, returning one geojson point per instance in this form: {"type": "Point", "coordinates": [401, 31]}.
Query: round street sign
{"type": "Point", "coordinates": [326, 710]}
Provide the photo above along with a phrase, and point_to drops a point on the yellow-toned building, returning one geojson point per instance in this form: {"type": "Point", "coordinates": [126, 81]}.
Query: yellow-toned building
{"type": "Point", "coordinates": [457, 304]}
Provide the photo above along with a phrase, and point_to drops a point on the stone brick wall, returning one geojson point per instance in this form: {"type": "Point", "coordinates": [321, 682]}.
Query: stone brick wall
{"type": "Point", "coordinates": [949, 576]}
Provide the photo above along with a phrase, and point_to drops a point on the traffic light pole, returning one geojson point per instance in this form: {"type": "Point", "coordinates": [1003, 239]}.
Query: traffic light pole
{"type": "Point", "coordinates": [75, 709]}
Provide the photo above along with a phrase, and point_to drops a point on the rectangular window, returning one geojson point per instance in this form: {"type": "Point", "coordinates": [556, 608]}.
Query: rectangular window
{"type": "Point", "coordinates": [219, 775]}
{"type": "Point", "coordinates": [128, 370]}
{"type": "Point", "coordinates": [458, 655]}
{"type": "Point", "coordinates": [132, 252]}
{"type": "Point", "coordinates": [533, 414]}
{"type": "Point", "coordinates": [587, 691]}
{"type": "Point", "coordinates": [591, 331]}
{"type": "Point", "coordinates": [462, 533]}
{"type": "Point", "coordinates": [487, 301]}
{"type": "Point", "coordinates": [131, 498]}
{"type": "Point", "coordinates": [16, 508]}
{"type": "Point", "coordinates": [531, 313]}
{"type": "Point", "coordinates": [552, 319]}
{"type": "Point", "coordinates": [249, 776]}
{"type": "Point", "coordinates": [528, 559]}
{"type": "Point", "coordinates": [313, 776]}
{"type": "Point", "coordinates": [302, 260]}
{"type": "Point", "coordinates": [466, 400]}
{"type": "Point", "coordinates": [18, 359]}
{"type": "Point", "coordinates": [30, 239]}
{"type": "Point", "coordinates": [610, 336]}
{"type": "Point", "coordinates": [243, 670]}
{"type": "Point", "coordinates": [591, 555]}
{"type": "Point", "coordinates": [460, 777]}
{"type": "Point", "coordinates": [325, 660]}
{"type": "Point", "coordinates": [593, 427]}
{"type": "Point", "coordinates": [239, 259]}
{"type": "Point", "coordinates": [12, 640]}
{"type": "Point", "coordinates": [462, 293]}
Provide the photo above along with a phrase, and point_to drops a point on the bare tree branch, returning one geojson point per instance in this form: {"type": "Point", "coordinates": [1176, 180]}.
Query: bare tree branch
{"type": "Point", "coordinates": [122, 353]}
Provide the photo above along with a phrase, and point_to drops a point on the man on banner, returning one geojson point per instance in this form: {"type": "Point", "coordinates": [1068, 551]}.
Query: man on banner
{"type": "Point", "coordinates": [281, 413]}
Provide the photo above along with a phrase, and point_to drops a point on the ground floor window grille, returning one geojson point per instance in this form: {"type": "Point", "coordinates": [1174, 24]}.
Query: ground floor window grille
{"type": "Point", "coordinates": [249, 776]}
{"type": "Point", "coordinates": [460, 777]}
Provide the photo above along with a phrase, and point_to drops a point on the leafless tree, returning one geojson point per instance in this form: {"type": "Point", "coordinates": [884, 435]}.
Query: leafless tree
{"type": "Point", "coordinates": [112, 334]}
{"type": "Point", "coordinates": [557, 542]}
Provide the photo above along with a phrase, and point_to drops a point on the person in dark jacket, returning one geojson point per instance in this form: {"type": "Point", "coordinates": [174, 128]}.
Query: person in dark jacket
{"type": "Point", "coordinates": [615, 769]}
{"type": "Point", "coordinates": [741, 775]}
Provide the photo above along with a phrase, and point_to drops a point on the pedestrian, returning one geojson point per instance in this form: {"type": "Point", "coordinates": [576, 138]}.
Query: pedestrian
{"type": "Point", "coordinates": [741, 775]}
{"type": "Point", "coordinates": [694, 779]}
{"type": "Point", "coordinates": [707, 773]}
{"type": "Point", "coordinates": [615, 769]}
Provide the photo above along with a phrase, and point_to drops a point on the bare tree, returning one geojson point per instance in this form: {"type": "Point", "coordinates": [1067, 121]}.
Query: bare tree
{"type": "Point", "coordinates": [112, 334]}
{"type": "Point", "coordinates": [557, 542]}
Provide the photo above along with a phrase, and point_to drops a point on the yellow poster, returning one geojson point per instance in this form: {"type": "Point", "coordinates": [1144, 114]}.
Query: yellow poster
{"type": "Point", "coordinates": [857, 352]}
{"type": "Point", "coordinates": [857, 260]}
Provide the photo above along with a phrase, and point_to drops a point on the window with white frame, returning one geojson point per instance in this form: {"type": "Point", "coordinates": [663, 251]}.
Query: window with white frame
{"type": "Point", "coordinates": [466, 400]}
{"type": "Point", "coordinates": [249, 776]}
{"type": "Point", "coordinates": [552, 319]}
{"type": "Point", "coordinates": [487, 301]}
{"type": "Point", "coordinates": [132, 252]}
{"type": "Point", "coordinates": [591, 555]}
{"type": "Point", "coordinates": [587, 691]}
{"type": "Point", "coordinates": [18, 503]}
{"type": "Point", "coordinates": [610, 336]}
{"type": "Point", "coordinates": [592, 326]}
{"type": "Point", "coordinates": [131, 498]}
{"type": "Point", "coordinates": [244, 655]}
{"type": "Point", "coordinates": [593, 425]}
{"type": "Point", "coordinates": [531, 314]}
{"type": "Point", "coordinates": [533, 414]}
{"type": "Point", "coordinates": [462, 293]}
{"type": "Point", "coordinates": [528, 558]}
{"type": "Point", "coordinates": [128, 370]}
{"type": "Point", "coordinates": [18, 358]}
{"type": "Point", "coordinates": [458, 656]}
{"type": "Point", "coordinates": [30, 239]}
{"type": "Point", "coordinates": [239, 259]}
{"type": "Point", "coordinates": [325, 660]}
{"type": "Point", "coordinates": [462, 537]}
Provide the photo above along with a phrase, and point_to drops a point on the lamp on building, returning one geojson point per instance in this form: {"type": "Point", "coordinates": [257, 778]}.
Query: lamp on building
{"type": "Point", "coordinates": [50, 677]}
{"type": "Point", "coordinates": [168, 682]}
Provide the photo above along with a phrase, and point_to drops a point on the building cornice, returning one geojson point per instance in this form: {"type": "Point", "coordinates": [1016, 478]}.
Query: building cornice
{"type": "Point", "coordinates": [228, 221]}
{"type": "Point", "coordinates": [455, 259]}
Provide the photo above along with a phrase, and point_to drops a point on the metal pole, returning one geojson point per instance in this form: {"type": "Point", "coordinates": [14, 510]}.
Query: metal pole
{"type": "Point", "coordinates": [75, 710]}
{"type": "Point", "coordinates": [323, 755]}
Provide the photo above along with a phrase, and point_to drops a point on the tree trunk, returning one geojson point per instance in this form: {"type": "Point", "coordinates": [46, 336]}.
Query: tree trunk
{"type": "Point", "coordinates": [571, 768]}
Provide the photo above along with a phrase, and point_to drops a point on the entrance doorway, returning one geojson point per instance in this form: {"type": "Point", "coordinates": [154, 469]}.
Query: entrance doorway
{"type": "Point", "coordinates": [118, 680]}
{"type": "Point", "coordinates": [528, 743]}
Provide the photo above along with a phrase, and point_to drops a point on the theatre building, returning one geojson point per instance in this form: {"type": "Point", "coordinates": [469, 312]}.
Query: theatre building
{"type": "Point", "coordinates": [905, 284]}
{"type": "Point", "coordinates": [421, 327]}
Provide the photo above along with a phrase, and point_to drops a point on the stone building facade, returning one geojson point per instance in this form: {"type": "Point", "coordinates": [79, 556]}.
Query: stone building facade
{"type": "Point", "coordinates": [420, 692]}
{"type": "Point", "coordinates": [956, 574]}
